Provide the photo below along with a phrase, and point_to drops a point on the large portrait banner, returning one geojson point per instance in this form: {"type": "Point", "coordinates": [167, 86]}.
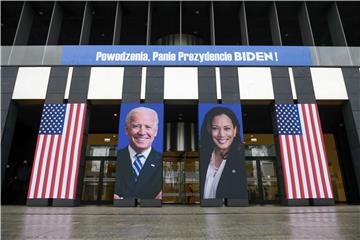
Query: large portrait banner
{"type": "Point", "coordinates": [222, 161]}
{"type": "Point", "coordinates": [139, 152]}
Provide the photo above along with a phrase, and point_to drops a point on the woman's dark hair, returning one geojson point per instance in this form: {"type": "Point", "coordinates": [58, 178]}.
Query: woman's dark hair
{"type": "Point", "coordinates": [206, 142]}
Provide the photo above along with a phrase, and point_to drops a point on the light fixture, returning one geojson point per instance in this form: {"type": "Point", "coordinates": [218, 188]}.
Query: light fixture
{"type": "Point", "coordinates": [253, 139]}
{"type": "Point", "coordinates": [107, 139]}
{"type": "Point", "coordinates": [115, 114]}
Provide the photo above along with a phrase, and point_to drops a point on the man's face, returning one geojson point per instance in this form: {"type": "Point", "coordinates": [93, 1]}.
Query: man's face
{"type": "Point", "coordinates": [141, 130]}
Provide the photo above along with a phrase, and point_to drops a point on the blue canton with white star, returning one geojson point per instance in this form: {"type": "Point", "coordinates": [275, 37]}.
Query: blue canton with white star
{"type": "Point", "coordinates": [288, 119]}
{"type": "Point", "coordinates": [52, 119]}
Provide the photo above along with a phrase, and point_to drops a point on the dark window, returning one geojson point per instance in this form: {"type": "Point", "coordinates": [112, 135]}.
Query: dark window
{"type": "Point", "coordinates": [318, 13]}
{"type": "Point", "coordinates": [102, 25]}
{"type": "Point", "coordinates": [71, 23]}
{"type": "Point", "coordinates": [134, 23]}
{"type": "Point", "coordinates": [288, 13]}
{"type": "Point", "coordinates": [10, 15]}
{"type": "Point", "coordinates": [42, 12]}
{"type": "Point", "coordinates": [257, 14]}
{"type": "Point", "coordinates": [227, 23]}
{"type": "Point", "coordinates": [196, 23]}
{"type": "Point", "coordinates": [165, 23]}
{"type": "Point", "coordinates": [350, 17]}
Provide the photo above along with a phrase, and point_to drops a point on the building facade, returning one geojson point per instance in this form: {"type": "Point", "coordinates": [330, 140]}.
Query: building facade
{"type": "Point", "coordinates": [256, 54]}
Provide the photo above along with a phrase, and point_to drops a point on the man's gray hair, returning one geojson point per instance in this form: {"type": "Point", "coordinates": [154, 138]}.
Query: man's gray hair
{"type": "Point", "coordinates": [139, 110]}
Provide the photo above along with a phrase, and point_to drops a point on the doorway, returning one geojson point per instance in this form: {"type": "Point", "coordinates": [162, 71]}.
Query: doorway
{"type": "Point", "coordinates": [262, 180]}
{"type": "Point", "coordinates": [100, 169]}
{"type": "Point", "coordinates": [181, 178]}
{"type": "Point", "coordinates": [99, 180]}
{"type": "Point", "coordinates": [18, 165]}
{"type": "Point", "coordinates": [261, 168]}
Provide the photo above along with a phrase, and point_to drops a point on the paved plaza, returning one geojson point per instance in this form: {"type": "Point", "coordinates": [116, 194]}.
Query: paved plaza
{"type": "Point", "coordinates": [180, 222]}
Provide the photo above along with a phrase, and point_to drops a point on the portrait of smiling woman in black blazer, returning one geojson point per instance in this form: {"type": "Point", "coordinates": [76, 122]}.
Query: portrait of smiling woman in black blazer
{"type": "Point", "coordinates": [222, 166]}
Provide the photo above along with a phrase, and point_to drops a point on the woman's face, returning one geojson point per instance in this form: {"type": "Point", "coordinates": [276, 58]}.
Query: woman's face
{"type": "Point", "coordinates": [223, 132]}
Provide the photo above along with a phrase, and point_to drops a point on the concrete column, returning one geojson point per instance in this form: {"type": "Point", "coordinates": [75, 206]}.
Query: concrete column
{"type": "Point", "coordinates": [132, 85]}
{"type": "Point", "coordinates": [351, 115]}
{"type": "Point", "coordinates": [8, 114]}
{"type": "Point", "coordinates": [229, 85]}
{"type": "Point", "coordinates": [231, 95]}
{"type": "Point", "coordinates": [78, 94]}
{"type": "Point", "coordinates": [207, 85]}
{"type": "Point", "coordinates": [154, 85]}
{"type": "Point", "coordinates": [282, 95]}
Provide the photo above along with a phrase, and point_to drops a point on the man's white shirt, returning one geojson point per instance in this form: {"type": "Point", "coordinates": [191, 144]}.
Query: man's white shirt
{"type": "Point", "coordinates": [133, 153]}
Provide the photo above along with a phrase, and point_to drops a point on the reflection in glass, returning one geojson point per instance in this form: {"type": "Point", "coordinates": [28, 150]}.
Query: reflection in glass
{"type": "Point", "coordinates": [181, 177]}
{"type": "Point", "coordinates": [260, 150]}
{"type": "Point", "coordinates": [108, 180]}
{"type": "Point", "coordinates": [252, 181]}
{"type": "Point", "coordinates": [269, 180]}
{"type": "Point", "coordinates": [102, 151]}
{"type": "Point", "coordinates": [262, 180]}
{"type": "Point", "coordinates": [171, 181]}
{"type": "Point", "coordinates": [91, 180]}
{"type": "Point", "coordinates": [191, 176]}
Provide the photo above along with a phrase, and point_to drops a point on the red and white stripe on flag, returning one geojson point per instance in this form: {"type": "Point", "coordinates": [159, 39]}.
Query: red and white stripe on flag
{"type": "Point", "coordinates": [57, 155]}
{"type": "Point", "coordinates": [305, 165]}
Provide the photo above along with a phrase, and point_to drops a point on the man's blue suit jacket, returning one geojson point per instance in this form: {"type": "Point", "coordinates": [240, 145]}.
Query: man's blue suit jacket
{"type": "Point", "coordinates": [149, 181]}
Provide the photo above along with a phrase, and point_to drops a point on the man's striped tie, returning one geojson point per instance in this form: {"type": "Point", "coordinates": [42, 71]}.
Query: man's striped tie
{"type": "Point", "coordinates": [137, 165]}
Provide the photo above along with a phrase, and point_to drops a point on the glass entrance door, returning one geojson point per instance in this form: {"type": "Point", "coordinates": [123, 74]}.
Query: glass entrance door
{"type": "Point", "coordinates": [262, 180]}
{"type": "Point", "coordinates": [181, 177]}
{"type": "Point", "coordinates": [99, 177]}
{"type": "Point", "coordinates": [99, 180]}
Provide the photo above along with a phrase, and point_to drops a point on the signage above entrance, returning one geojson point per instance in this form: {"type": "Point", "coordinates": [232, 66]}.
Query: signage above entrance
{"type": "Point", "coordinates": [187, 55]}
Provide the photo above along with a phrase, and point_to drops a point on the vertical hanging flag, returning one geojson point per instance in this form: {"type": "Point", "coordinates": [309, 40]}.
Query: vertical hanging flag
{"type": "Point", "coordinates": [57, 155]}
{"type": "Point", "coordinates": [305, 167]}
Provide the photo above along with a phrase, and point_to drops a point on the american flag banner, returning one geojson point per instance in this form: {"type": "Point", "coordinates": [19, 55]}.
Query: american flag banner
{"type": "Point", "coordinates": [57, 155]}
{"type": "Point", "coordinates": [305, 165]}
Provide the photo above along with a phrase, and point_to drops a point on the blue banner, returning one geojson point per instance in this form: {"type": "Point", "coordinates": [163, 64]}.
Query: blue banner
{"type": "Point", "coordinates": [187, 55]}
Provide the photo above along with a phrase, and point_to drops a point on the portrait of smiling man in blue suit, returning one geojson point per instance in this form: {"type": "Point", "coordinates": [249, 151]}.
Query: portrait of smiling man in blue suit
{"type": "Point", "coordinates": [139, 165]}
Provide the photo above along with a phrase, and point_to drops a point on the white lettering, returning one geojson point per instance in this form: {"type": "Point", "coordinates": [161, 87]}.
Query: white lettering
{"type": "Point", "coordinates": [254, 56]}
{"type": "Point", "coordinates": [204, 57]}
{"type": "Point", "coordinates": [169, 56]}
{"type": "Point", "coordinates": [122, 57]}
